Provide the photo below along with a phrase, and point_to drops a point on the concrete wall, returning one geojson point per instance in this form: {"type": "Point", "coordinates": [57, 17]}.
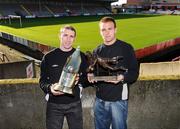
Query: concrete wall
{"type": "Point", "coordinates": [22, 107]}
{"type": "Point", "coordinates": [154, 101]}
{"type": "Point", "coordinates": [160, 71]}
{"type": "Point", "coordinates": [152, 105]}
{"type": "Point", "coordinates": [155, 105]}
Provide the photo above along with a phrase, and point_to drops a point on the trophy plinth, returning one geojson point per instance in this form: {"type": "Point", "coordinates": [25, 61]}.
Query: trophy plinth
{"type": "Point", "coordinates": [64, 89]}
{"type": "Point", "coordinates": [103, 78]}
{"type": "Point", "coordinates": [66, 83]}
{"type": "Point", "coordinates": [68, 90]}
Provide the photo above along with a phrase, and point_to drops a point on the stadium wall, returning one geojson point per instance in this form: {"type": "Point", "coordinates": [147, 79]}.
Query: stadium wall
{"type": "Point", "coordinates": [154, 101]}
{"type": "Point", "coordinates": [164, 51]}
{"type": "Point", "coordinates": [153, 53]}
{"type": "Point", "coordinates": [28, 47]}
{"type": "Point", "coordinates": [31, 44]}
{"type": "Point", "coordinates": [34, 46]}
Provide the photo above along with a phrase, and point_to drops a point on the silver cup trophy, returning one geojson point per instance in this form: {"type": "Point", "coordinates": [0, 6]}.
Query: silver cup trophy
{"type": "Point", "coordinates": [67, 79]}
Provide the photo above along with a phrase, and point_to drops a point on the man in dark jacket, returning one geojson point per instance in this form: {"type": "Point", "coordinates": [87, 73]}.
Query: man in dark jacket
{"type": "Point", "coordinates": [61, 104]}
{"type": "Point", "coordinates": [111, 104]}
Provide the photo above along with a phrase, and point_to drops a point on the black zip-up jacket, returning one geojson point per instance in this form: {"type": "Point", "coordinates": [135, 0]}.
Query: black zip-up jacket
{"type": "Point", "coordinates": [109, 91]}
{"type": "Point", "coordinates": [51, 69]}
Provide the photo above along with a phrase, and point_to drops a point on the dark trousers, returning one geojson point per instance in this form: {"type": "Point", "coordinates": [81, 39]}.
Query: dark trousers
{"type": "Point", "coordinates": [55, 114]}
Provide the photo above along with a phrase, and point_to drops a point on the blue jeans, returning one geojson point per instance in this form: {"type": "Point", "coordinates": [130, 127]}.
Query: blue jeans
{"type": "Point", "coordinates": [110, 114]}
{"type": "Point", "coordinates": [55, 114]}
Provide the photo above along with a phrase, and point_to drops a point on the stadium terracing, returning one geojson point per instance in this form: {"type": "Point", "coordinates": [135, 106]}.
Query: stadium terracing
{"type": "Point", "coordinates": [56, 8]}
{"type": "Point", "coordinates": [156, 4]}
{"type": "Point", "coordinates": [48, 8]}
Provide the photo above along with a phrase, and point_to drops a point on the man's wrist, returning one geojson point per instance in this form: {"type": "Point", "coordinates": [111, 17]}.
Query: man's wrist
{"type": "Point", "coordinates": [49, 88]}
{"type": "Point", "coordinates": [121, 78]}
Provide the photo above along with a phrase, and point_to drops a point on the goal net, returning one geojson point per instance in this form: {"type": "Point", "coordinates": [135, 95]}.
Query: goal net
{"type": "Point", "coordinates": [11, 17]}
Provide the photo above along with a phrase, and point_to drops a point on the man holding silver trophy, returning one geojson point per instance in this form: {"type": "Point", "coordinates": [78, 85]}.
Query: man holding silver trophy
{"type": "Point", "coordinates": [63, 72]}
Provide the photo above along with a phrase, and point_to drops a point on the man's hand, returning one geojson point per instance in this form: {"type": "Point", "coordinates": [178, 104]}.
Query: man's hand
{"type": "Point", "coordinates": [77, 79]}
{"type": "Point", "coordinates": [90, 76]}
{"type": "Point", "coordinates": [54, 92]}
{"type": "Point", "coordinates": [120, 78]}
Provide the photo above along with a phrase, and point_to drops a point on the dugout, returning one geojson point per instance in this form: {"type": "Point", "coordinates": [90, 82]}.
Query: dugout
{"type": "Point", "coordinates": [20, 69]}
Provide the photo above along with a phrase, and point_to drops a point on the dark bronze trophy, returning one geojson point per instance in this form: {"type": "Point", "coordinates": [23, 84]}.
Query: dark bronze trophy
{"type": "Point", "coordinates": [95, 60]}
{"type": "Point", "coordinates": [69, 73]}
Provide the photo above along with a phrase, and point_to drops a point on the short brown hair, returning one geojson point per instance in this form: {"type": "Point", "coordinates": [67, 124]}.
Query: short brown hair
{"type": "Point", "coordinates": [108, 19]}
{"type": "Point", "coordinates": [68, 27]}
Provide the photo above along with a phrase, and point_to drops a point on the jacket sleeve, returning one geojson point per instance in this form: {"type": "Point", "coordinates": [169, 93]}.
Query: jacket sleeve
{"type": "Point", "coordinates": [133, 69]}
{"type": "Point", "coordinates": [44, 79]}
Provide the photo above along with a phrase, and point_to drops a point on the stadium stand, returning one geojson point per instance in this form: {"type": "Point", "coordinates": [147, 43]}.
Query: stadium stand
{"type": "Point", "coordinates": [11, 9]}
{"type": "Point", "coordinates": [152, 6]}
{"type": "Point", "coordinates": [49, 8]}
{"type": "Point", "coordinates": [56, 8]}
{"type": "Point", "coordinates": [37, 10]}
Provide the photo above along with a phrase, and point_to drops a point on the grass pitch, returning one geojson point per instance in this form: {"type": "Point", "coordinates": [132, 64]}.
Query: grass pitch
{"type": "Point", "coordinates": [138, 30]}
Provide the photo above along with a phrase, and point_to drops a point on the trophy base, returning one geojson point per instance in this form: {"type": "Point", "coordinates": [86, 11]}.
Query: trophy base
{"type": "Point", "coordinates": [104, 78]}
{"type": "Point", "coordinates": [67, 90]}
{"type": "Point", "coordinates": [64, 89]}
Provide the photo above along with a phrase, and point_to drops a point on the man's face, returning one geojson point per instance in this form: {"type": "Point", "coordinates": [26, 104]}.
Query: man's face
{"type": "Point", "coordinates": [67, 38]}
{"type": "Point", "coordinates": [108, 32]}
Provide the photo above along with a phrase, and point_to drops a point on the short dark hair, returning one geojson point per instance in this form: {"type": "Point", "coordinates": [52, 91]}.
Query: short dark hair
{"type": "Point", "coordinates": [108, 19]}
{"type": "Point", "coordinates": [68, 27]}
